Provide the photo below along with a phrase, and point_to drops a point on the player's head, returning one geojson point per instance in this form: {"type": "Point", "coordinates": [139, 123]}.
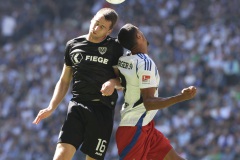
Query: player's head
{"type": "Point", "coordinates": [109, 15]}
{"type": "Point", "coordinates": [130, 37]}
{"type": "Point", "coordinates": [102, 23]}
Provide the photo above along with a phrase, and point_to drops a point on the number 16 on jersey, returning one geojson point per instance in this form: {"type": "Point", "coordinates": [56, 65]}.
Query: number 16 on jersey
{"type": "Point", "coordinates": [101, 146]}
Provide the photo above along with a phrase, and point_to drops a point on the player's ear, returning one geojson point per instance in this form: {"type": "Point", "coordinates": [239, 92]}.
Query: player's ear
{"type": "Point", "coordinates": [138, 35]}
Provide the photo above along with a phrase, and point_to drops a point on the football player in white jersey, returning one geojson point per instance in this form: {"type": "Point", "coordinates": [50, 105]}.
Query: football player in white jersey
{"type": "Point", "coordinates": [136, 136]}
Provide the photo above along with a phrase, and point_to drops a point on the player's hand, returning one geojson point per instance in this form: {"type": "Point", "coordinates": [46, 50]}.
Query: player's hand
{"type": "Point", "coordinates": [42, 114]}
{"type": "Point", "coordinates": [189, 93]}
{"type": "Point", "coordinates": [108, 87]}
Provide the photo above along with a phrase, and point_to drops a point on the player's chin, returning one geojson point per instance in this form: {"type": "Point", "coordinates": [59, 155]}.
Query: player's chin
{"type": "Point", "coordinates": [92, 33]}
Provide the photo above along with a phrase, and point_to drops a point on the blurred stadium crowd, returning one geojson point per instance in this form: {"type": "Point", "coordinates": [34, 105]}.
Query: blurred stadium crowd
{"type": "Point", "coordinates": [193, 42]}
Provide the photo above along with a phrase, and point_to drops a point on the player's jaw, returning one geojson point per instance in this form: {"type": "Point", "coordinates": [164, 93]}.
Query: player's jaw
{"type": "Point", "coordinates": [97, 36]}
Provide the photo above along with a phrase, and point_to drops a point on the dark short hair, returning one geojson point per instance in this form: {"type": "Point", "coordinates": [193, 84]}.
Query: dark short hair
{"type": "Point", "coordinates": [109, 14]}
{"type": "Point", "coordinates": [127, 36]}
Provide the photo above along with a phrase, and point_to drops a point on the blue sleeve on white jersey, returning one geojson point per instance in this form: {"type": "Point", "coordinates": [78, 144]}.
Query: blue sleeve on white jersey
{"type": "Point", "coordinates": [147, 73]}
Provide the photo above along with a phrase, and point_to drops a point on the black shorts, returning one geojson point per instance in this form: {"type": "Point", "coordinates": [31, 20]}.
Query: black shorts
{"type": "Point", "coordinates": [90, 125]}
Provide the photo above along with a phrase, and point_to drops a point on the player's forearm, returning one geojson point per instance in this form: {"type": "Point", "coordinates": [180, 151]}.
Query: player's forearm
{"type": "Point", "coordinates": [118, 83]}
{"type": "Point", "coordinates": [160, 103]}
{"type": "Point", "coordinates": [58, 95]}
{"type": "Point", "coordinates": [117, 80]}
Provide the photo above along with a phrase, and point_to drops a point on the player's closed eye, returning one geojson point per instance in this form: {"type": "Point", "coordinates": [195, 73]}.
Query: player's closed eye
{"type": "Point", "coordinates": [96, 23]}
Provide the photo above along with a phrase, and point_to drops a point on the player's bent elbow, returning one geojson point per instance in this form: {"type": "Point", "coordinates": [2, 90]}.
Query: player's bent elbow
{"type": "Point", "coordinates": [147, 106]}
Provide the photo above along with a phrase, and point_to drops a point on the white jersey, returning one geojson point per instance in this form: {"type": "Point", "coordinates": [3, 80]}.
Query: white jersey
{"type": "Point", "coordinates": [137, 71]}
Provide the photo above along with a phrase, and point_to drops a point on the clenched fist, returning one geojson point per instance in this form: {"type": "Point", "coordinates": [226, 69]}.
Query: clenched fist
{"type": "Point", "coordinates": [189, 93]}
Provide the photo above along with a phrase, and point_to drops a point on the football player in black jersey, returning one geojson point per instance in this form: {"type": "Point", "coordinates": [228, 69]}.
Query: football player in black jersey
{"type": "Point", "coordinates": [90, 62]}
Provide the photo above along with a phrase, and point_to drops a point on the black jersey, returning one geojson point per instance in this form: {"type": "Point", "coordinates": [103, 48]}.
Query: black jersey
{"type": "Point", "coordinates": [92, 65]}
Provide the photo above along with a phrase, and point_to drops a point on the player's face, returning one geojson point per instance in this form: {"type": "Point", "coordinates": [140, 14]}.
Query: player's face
{"type": "Point", "coordinates": [99, 27]}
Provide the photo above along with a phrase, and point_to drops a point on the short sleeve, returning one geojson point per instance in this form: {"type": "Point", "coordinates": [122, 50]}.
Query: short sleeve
{"type": "Point", "coordinates": [67, 58]}
{"type": "Point", "coordinates": [147, 73]}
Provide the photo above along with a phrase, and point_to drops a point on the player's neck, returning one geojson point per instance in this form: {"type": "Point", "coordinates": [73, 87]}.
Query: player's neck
{"type": "Point", "coordinates": [95, 39]}
{"type": "Point", "coordinates": [139, 50]}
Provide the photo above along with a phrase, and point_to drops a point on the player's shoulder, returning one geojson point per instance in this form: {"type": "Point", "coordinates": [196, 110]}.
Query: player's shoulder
{"type": "Point", "coordinates": [144, 60]}
{"type": "Point", "coordinates": [76, 39]}
{"type": "Point", "coordinates": [128, 57]}
{"type": "Point", "coordinates": [142, 56]}
{"type": "Point", "coordinates": [113, 41]}
{"type": "Point", "coordinates": [114, 46]}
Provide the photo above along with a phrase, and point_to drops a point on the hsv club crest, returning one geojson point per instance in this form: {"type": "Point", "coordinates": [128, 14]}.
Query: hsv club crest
{"type": "Point", "coordinates": [102, 50]}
